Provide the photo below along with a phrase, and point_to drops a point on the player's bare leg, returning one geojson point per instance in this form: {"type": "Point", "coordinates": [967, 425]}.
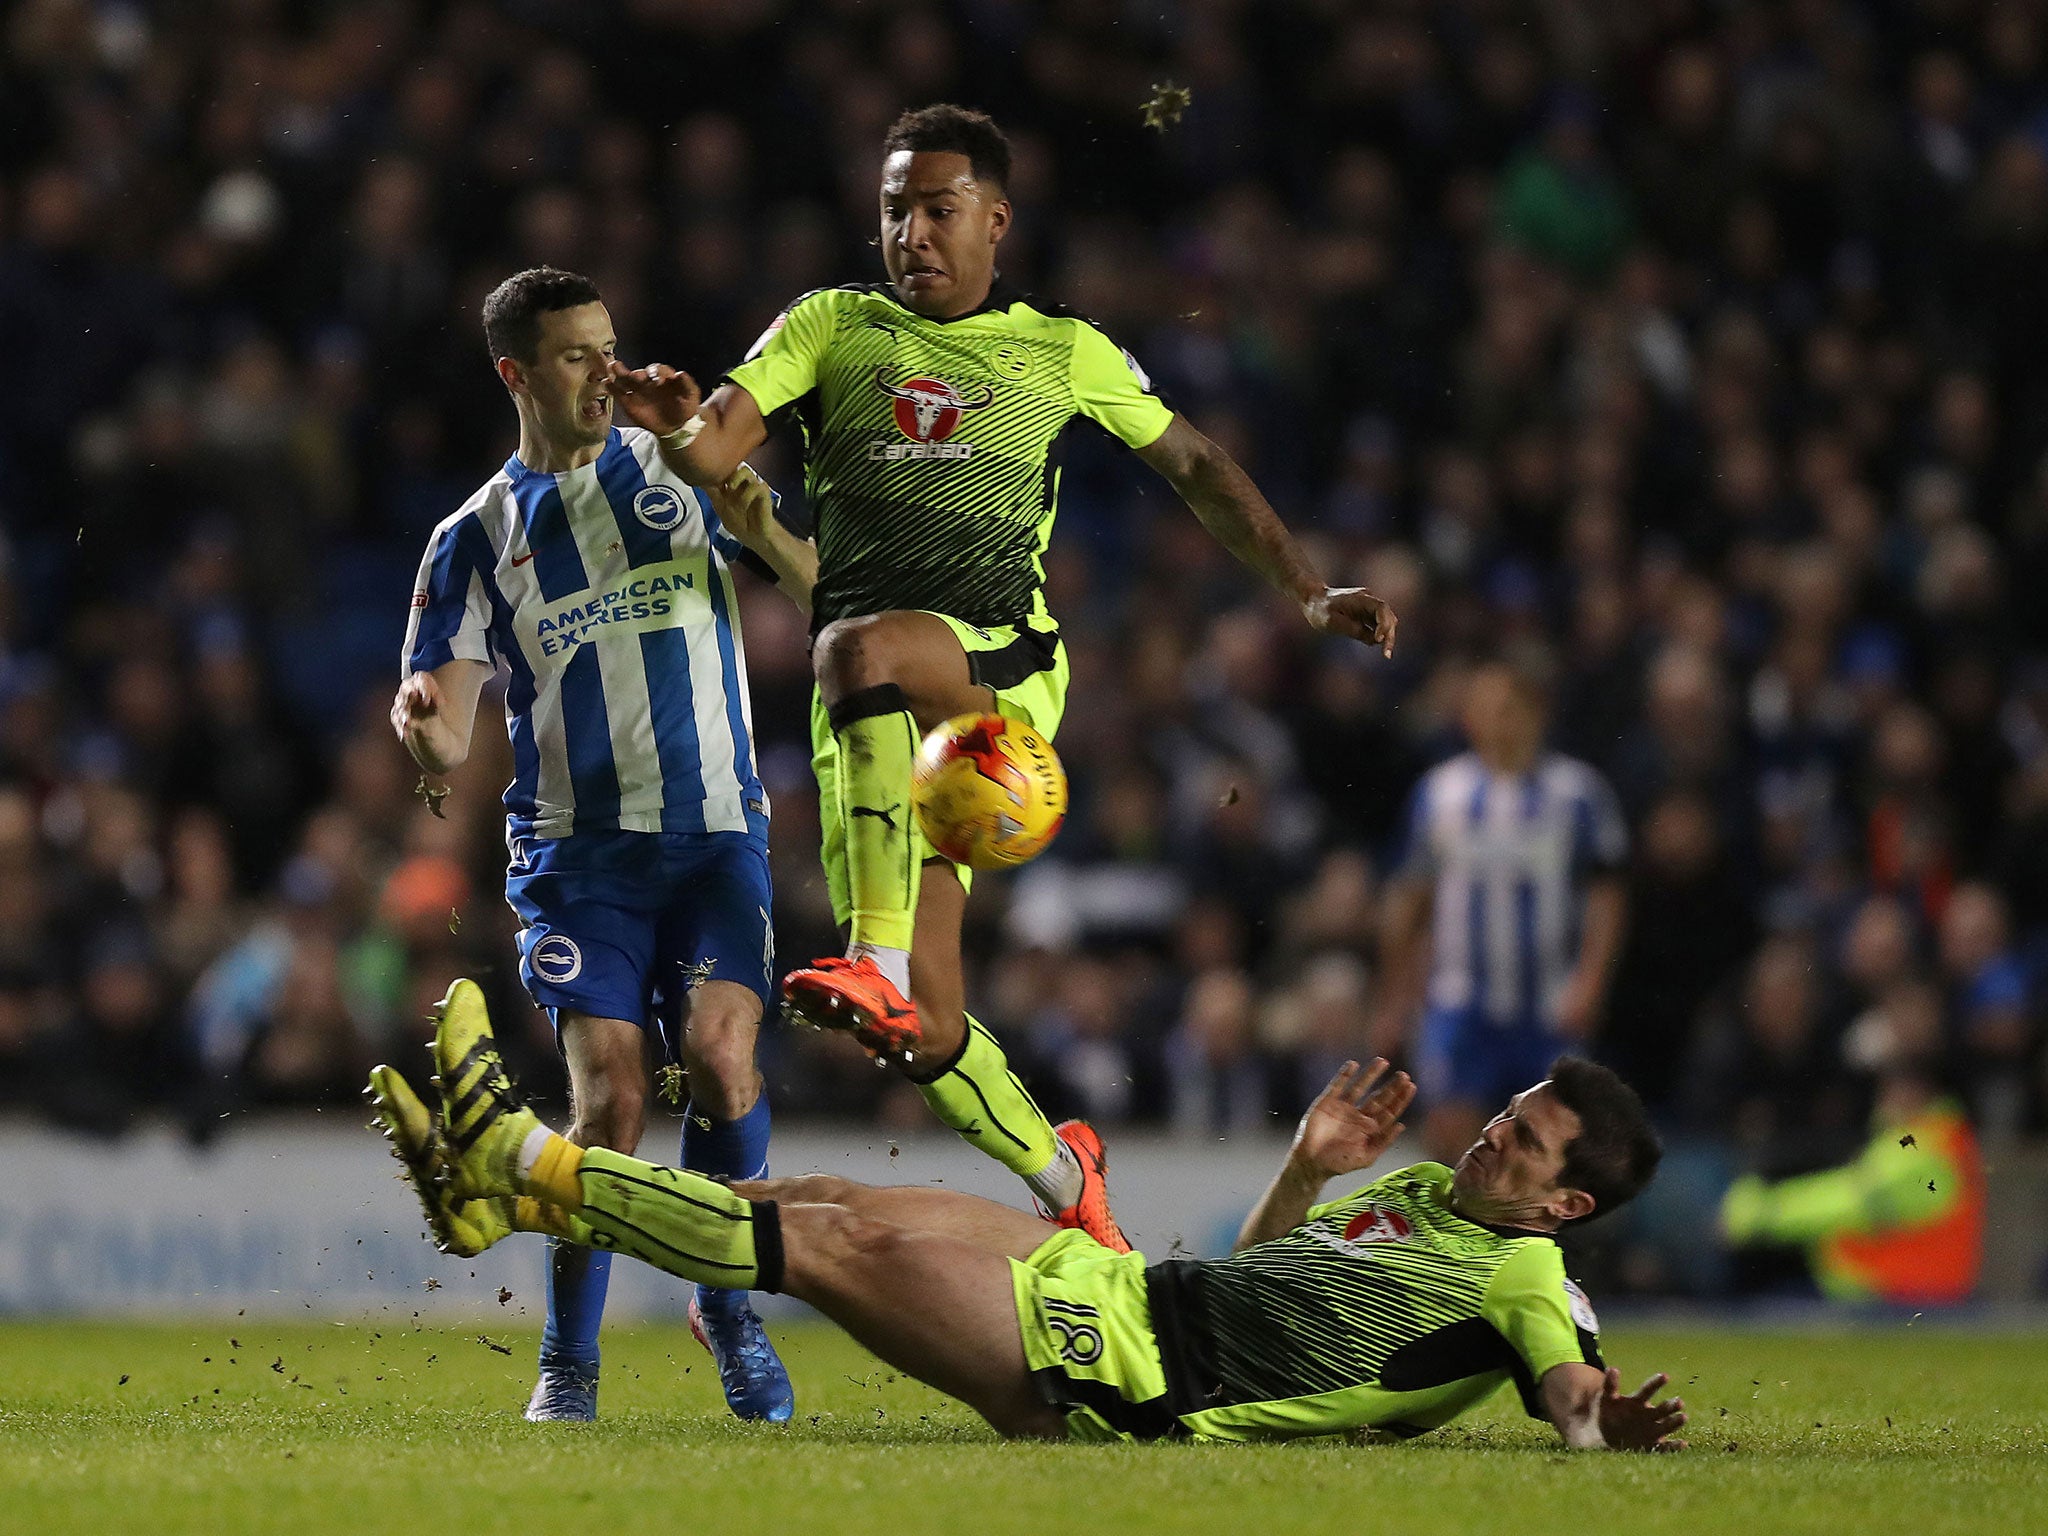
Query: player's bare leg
{"type": "Point", "coordinates": [987, 1224]}
{"type": "Point", "coordinates": [607, 1081]}
{"type": "Point", "coordinates": [934, 1306]}
{"type": "Point", "coordinates": [917, 652]}
{"type": "Point", "coordinates": [608, 1099]}
{"type": "Point", "coordinates": [719, 1034]}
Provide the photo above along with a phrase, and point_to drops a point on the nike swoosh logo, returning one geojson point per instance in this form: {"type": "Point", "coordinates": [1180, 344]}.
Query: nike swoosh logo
{"type": "Point", "coordinates": [522, 559]}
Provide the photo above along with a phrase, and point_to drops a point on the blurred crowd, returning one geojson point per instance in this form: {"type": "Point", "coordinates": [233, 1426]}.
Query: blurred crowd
{"type": "Point", "coordinates": [1700, 347]}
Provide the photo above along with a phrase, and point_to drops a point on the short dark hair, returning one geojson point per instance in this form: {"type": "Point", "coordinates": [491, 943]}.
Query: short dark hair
{"type": "Point", "coordinates": [1529, 669]}
{"type": "Point", "coordinates": [944, 129]}
{"type": "Point", "coordinates": [1616, 1151]}
{"type": "Point", "coordinates": [512, 312]}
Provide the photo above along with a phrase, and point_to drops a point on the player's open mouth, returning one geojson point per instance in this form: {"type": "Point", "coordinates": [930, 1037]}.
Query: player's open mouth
{"type": "Point", "coordinates": [594, 410]}
{"type": "Point", "coordinates": [922, 274]}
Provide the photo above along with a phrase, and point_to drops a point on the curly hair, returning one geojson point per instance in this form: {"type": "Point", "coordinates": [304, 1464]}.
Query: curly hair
{"type": "Point", "coordinates": [945, 129]}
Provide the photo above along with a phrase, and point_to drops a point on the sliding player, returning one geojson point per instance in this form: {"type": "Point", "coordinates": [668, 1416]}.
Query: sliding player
{"type": "Point", "coordinates": [1392, 1310]}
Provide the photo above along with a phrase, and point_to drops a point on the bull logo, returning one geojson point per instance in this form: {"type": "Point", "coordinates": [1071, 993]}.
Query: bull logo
{"type": "Point", "coordinates": [1379, 1224]}
{"type": "Point", "coordinates": [928, 410]}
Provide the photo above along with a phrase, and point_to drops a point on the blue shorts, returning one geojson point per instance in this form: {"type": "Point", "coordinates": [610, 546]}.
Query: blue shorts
{"type": "Point", "coordinates": [1464, 1055]}
{"type": "Point", "coordinates": [620, 925]}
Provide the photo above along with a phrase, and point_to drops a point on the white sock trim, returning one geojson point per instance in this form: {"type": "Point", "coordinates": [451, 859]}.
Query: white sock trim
{"type": "Point", "coordinates": [892, 963]}
{"type": "Point", "coordinates": [1058, 1183]}
{"type": "Point", "coordinates": [530, 1149]}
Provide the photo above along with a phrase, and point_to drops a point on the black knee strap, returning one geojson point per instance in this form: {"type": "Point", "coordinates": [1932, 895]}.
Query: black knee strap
{"type": "Point", "coordinates": [882, 699]}
{"type": "Point", "coordinates": [767, 1246]}
{"type": "Point", "coordinates": [920, 1074]}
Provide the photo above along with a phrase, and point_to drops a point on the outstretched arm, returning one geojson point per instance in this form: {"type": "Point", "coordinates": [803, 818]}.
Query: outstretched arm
{"type": "Point", "coordinates": [1351, 1123]}
{"type": "Point", "coordinates": [1230, 506]}
{"type": "Point", "coordinates": [704, 441]}
{"type": "Point", "coordinates": [1591, 1413]}
{"type": "Point", "coordinates": [746, 507]}
{"type": "Point", "coordinates": [435, 712]}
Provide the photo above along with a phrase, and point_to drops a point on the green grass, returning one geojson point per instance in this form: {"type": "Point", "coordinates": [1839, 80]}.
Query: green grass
{"type": "Point", "coordinates": [311, 1429]}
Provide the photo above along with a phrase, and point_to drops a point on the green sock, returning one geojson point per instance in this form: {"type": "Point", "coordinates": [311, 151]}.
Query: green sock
{"type": "Point", "coordinates": [878, 742]}
{"type": "Point", "coordinates": [680, 1221]}
{"type": "Point", "coordinates": [979, 1096]}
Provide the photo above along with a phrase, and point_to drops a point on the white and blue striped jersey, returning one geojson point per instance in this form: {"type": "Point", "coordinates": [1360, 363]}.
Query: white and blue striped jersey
{"type": "Point", "coordinates": [1508, 857]}
{"type": "Point", "coordinates": [606, 592]}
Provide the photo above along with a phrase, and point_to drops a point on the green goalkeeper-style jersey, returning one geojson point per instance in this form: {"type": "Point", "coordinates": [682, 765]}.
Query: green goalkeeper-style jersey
{"type": "Point", "coordinates": [1384, 1310]}
{"type": "Point", "coordinates": [931, 447]}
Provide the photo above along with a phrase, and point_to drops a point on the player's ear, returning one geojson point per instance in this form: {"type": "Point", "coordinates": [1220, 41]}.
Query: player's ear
{"type": "Point", "coordinates": [999, 221]}
{"type": "Point", "coordinates": [1571, 1205]}
{"type": "Point", "coordinates": [512, 375]}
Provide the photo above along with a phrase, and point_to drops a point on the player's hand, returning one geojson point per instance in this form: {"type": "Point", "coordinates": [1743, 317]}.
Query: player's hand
{"type": "Point", "coordinates": [660, 398]}
{"type": "Point", "coordinates": [420, 716]}
{"type": "Point", "coordinates": [745, 505]}
{"type": "Point", "coordinates": [1353, 1120]}
{"type": "Point", "coordinates": [418, 702]}
{"type": "Point", "coordinates": [1355, 612]}
{"type": "Point", "coordinates": [1633, 1422]}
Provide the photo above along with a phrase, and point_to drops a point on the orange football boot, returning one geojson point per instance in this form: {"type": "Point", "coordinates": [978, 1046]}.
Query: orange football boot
{"type": "Point", "coordinates": [1091, 1212]}
{"type": "Point", "coordinates": [853, 995]}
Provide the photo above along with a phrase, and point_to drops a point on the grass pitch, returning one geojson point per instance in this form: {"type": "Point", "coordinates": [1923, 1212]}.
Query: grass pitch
{"type": "Point", "coordinates": [248, 1426]}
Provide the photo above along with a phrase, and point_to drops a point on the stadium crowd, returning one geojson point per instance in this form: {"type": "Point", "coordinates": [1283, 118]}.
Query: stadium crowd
{"type": "Point", "coordinates": [1695, 350]}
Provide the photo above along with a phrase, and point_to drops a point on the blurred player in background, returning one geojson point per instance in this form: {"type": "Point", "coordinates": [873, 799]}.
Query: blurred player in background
{"type": "Point", "coordinates": [932, 408]}
{"type": "Point", "coordinates": [1903, 1223]}
{"type": "Point", "coordinates": [636, 821]}
{"type": "Point", "coordinates": [1391, 1310]}
{"type": "Point", "coordinates": [1505, 919]}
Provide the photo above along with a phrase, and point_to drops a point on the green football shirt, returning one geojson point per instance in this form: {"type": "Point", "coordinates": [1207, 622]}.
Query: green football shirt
{"type": "Point", "coordinates": [931, 447]}
{"type": "Point", "coordinates": [1385, 1310]}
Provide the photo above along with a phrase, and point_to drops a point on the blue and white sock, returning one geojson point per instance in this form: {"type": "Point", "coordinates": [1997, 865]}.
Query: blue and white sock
{"type": "Point", "coordinates": [726, 1149]}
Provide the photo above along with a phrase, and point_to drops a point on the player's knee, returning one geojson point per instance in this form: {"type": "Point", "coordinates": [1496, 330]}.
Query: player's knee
{"type": "Point", "coordinates": [718, 1051]}
{"type": "Point", "coordinates": [848, 656]}
{"type": "Point", "coordinates": [610, 1114]}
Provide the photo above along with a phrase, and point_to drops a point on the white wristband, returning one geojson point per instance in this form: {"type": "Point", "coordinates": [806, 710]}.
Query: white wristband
{"type": "Point", "coordinates": [684, 435]}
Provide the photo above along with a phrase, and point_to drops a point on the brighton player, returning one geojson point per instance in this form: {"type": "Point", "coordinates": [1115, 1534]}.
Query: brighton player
{"type": "Point", "coordinates": [1509, 899]}
{"type": "Point", "coordinates": [1390, 1310]}
{"type": "Point", "coordinates": [636, 822]}
{"type": "Point", "coordinates": [932, 408]}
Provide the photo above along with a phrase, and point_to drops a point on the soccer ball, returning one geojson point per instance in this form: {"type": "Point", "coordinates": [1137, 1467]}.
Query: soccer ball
{"type": "Point", "coordinates": [989, 792]}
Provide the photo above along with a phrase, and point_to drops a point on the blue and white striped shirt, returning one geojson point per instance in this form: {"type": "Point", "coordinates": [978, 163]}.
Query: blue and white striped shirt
{"type": "Point", "coordinates": [606, 591]}
{"type": "Point", "coordinates": [1508, 857]}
